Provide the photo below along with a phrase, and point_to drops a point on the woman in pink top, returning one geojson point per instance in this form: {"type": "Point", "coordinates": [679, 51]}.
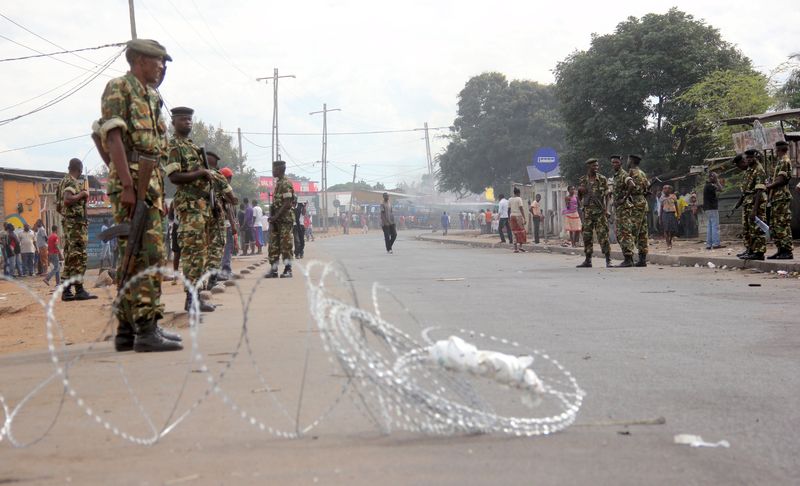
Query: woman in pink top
{"type": "Point", "coordinates": [572, 220]}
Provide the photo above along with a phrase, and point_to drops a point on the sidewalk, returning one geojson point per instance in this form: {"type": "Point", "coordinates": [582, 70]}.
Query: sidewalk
{"type": "Point", "coordinates": [685, 252]}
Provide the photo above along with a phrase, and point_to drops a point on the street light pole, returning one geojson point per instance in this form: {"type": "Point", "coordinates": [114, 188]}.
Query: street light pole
{"type": "Point", "coordinates": [324, 169]}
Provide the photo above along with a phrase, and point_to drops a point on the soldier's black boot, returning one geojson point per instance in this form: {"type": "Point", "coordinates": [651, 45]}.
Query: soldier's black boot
{"type": "Point", "coordinates": [785, 254]}
{"type": "Point", "coordinates": [168, 335]}
{"type": "Point", "coordinates": [608, 260]}
{"type": "Point", "coordinates": [149, 339]}
{"type": "Point", "coordinates": [123, 340]}
{"type": "Point", "coordinates": [67, 295]}
{"type": "Point", "coordinates": [82, 294]}
{"type": "Point", "coordinates": [627, 262]}
{"type": "Point", "coordinates": [287, 272]}
{"type": "Point", "coordinates": [273, 273]}
{"type": "Point", "coordinates": [642, 260]}
{"type": "Point", "coordinates": [742, 254]}
{"type": "Point", "coordinates": [754, 256]}
{"type": "Point", "coordinates": [587, 263]}
{"type": "Point", "coordinates": [204, 306]}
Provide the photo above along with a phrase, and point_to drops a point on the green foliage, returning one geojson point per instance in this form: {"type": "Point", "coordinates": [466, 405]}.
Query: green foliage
{"type": "Point", "coordinates": [721, 95]}
{"type": "Point", "coordinates": [360, 185]}
{"type": "Point", "coordinates": [789, 93]}
{"type": "Point", "coordinates": [621, 95]}
{"type": "Point", "coordinates": [245, 180]}
{"type": "Point", "coordinates": [497, 130]}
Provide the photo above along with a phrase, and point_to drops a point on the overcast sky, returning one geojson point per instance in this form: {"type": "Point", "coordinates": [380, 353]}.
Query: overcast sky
{"type": "Point", "coordinates": [387, 65]}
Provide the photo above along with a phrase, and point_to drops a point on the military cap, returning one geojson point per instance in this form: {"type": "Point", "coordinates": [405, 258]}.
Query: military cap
{"type": "Point", "coordinates": [635, 157]}
{"type": "Point", "coordinates": [751, 152]}
{"type": "Point", "coordinates": [226, 171]}
{"type": "Point", "coordinates": [591, 161]}
{"type": "Point", "coordinates": [148, 47]}
{"type": "Point", "coordinates": [278, 163]}
{"type": "Point", "coordinates": [615, 157]}
{"type": "Point", "coordinates": [181, 110]}
{"type": "Point", "coordinates": [211, 153]}
{"type": "Point", "coordinates": [781, 143]}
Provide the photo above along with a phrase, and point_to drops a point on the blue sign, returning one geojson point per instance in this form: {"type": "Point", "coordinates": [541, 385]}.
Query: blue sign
{"type": "Point", "coordinates": [546, 159]}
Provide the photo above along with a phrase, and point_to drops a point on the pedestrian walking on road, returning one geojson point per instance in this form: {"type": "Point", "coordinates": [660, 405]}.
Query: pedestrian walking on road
{"type": "Point", "coordinates": [502, 223]}
{"type": "Point", "coordinates": [445, 223]}
{"type": "Point", "coordinates": [711, 208]}
{"type": "Point", "coordinates": [517, 219]}
{"type": "Point", "coordinates": [41, 247]}
{"type": "Point", "coordinates": [54, 255]}
{"type": "Point", "coordinates": [258, 226]}
{"type": "Point", "coordinates": [27, 242]}
{"type": "Point", "coordinates": [669, 220]}
{"type": "Point", "coordinates": [387, 223]}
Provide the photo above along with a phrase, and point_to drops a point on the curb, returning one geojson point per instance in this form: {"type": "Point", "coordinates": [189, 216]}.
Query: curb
{"type": "Point", "coordinates": [654, 258]}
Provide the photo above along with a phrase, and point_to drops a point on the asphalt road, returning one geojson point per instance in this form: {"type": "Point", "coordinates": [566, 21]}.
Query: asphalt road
{"type": "Point", "coordinates": [702, 348]}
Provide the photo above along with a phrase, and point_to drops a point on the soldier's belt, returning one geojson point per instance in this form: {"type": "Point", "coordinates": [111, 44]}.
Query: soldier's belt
{"type": "Point", "coordinates": [136, 156]}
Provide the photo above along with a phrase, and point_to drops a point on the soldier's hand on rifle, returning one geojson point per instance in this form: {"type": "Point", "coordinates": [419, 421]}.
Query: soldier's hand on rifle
{"type": "Point", "coordinates": [208, 174]}
{"type": "Point", "coordinates": [84, 195]}
{"type": "Point", "coordinates": [128, 198]}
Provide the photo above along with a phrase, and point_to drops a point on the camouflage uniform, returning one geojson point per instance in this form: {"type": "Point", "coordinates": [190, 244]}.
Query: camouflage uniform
{"type": "Point", "coordinates": [193, 207]}
{"type": "Point", "coordinates": [623, 209]}
{"type": "Point", "coordinates": [281, 235]}
{"type": "Point", "coordinates": [780, 202]}
{"type": "Point", "coordinates": [136, 110]}
{"type": "Point", "coordinates": [754, 179]}
{"type": "Point", "coordinates": [594, 213]}
{"type": "Point", "coordinates": [638, 225]}
{"type": "Point", "coordinates": [216, 224]}
{"type": "Point", "coordinates": [76, 229]}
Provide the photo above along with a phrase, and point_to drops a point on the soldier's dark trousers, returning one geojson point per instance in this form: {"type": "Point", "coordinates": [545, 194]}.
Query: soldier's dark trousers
{"type": "Point", "coordinates": [299, 240]}
{"type": "Point", "coordinates": [781, 224]}
{"type": "Point", "coordinates": [281, 239]}
{"type": "Point", "coordinates": [389, 235]}
{"type": "Point", "coordinates": [595, 223]}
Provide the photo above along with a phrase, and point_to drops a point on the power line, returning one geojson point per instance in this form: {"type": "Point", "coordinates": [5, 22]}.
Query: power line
{"type": "Point", "coordinates": [40, 52]}
{"type": "Point", "coordinates": [62, 52]}
{"type": "Point", "coordinates": [45, 143]}
{"type": "Point", "coordinates": [373, 132]}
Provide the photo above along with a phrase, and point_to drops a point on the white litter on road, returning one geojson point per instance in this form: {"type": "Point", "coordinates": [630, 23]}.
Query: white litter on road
{"type": "Point", "coordinates": [697, 441]}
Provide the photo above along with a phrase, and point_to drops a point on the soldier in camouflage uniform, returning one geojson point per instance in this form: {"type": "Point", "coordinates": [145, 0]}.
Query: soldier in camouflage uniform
{"type": "Point", "coordinates": [754, 204]}
{"type": "Point", "coordinates": [780, 200]}
{"type": "Point", "coordinates": [216, 224]}
{"type": "Point", "coordinates": [131, 131]}
{"type": "Point", "coordinates": [186, 169]}
{"type": "Point", "coordinates": [638, 185]}
{"type": "Point", "coordinates": [71, 205]}
{"type": "Point", "coordinates": [623, 211]}
{"type": "Point", "coordinates": [593, 191]}
{"type": "Point", "coordinates": [281, 220]}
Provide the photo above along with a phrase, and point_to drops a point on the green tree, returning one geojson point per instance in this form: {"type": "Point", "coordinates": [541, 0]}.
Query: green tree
{"type": "Point", "coordinates": [348, 186]}
{"type": "Point", "coordinates": [789, 93]}
{"type": "Point", "coordinates": [621, 95]}
{"type": "Point", "coordinates": [245, 180]}
{"type": "Point", "coordinates": [722, 94]}
{"type": "Point", "coordinates": [498, 128]}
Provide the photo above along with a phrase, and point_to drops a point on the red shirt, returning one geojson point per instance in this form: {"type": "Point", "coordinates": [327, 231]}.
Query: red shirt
{"type": "Point", "coordinates": [52, 244]}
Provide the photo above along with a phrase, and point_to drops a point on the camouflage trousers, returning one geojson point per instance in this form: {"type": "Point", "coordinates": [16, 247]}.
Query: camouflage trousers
{"type": "Point", "coordinates": [781, 224]}
{"type": "Point", "coordinates": [754, 239]}
{"type": "Point", "coordinates": [194, 241]}
{"type": "Point", "coordinates": [281, 239]}
{"type": "Point", "coordinates": [141, 303]}
{"type": "Point", "coordinates": [216, 244]}
{"type": "Point", "coordinates": [76, 238]}
{"type": "Point", "coordinates": [638, 227]}
{"type": "Point", "coordinates": [595, 222]}
{"type": "Point", "coordinates": [624, 229]}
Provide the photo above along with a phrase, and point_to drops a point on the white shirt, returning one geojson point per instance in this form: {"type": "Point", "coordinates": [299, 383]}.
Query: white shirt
{"type": "Point", "coordinates": [258, 213]}
{"type": "Point", "coordinates": [516, 206]}
{"type": "Point", "coordinates": [27, 242]}
{"type": "Point", "coordinates": [265, 222]}
{"type": "Point", "coordinates": [502, 208]}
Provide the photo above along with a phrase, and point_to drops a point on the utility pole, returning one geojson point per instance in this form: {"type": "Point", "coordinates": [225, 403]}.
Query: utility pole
{"type": "Point", "coordinates": [276, 153]}
{"type": "Point", "coordinates": [239, 134]}
{"type": "Point", "coordinates": [133, 19]}
{"type": "Point", "coordinates": [324, 169]}
{"type": "Point", "coordinates": [428, 150]}
{"type": "Point", "coordinates": [352, 195]}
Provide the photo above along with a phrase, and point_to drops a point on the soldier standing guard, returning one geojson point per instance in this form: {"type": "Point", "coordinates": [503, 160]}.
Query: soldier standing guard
{"type": "Point", "coordinates": [638, 186]}
{"type": "Point", "coordinates": [593, 189]}
{"type": "Point", "coordinates": [71, 204]}
{"type": "Point", "coordinates": [623, 211]}
{"type": "Point", "coordinates": [133, 134]}
{"type": "Point", "coordinates": [754, 206]}
{"type": "Point", "coordinates": [780, 200]}
{"type": "Point", "coordinates": [186, 169]}
{"type": "Point", "coordinates": [281, 220]}
{"type": "Point", "coordinates": [216, 224]}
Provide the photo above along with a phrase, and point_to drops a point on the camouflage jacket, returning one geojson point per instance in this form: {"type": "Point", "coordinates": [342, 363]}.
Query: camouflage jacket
{"type": "Point", "coordinates": [283, 191]}
{"type": "Point", "coordinates": [594, 199]}
{"type": "Point", "coordinates": [184, 156]}
{"type": "Point", "coordinates": [783, 167]}
{"type": "Point", "coordinates": [70, 185]}
{"type": "Point", "coordinates": [620, 192]}
{"type": "Point", "coordinates": [221, 188]}
{"type": "Point", "coordinates": [641, 186]}
{"type": "Point", "coordinates": [136, 110]}
{"type": "Point", "coordinates": [755, 179]}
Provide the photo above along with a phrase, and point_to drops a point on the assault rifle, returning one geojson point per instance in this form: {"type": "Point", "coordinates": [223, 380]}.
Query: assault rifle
{"type": "Point", "coordinates": [212, 193]}
{"type": "Point", "coordinates": [138, 224]}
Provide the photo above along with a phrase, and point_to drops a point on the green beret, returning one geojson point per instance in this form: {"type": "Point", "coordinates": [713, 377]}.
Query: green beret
{"type": "Point", "coordinates": [635, 157]}
{"type": "Point", "coordinates": [211, 153]}
{"type": "Point", "coordinates": [615, 157]}
{"type": "Point", "coordinates": [751, 152]}
{"type": "Point", "coordinates": [781, 143]}
{"type": "Point", "coordinates": [181, 110]}
{"type": "Point", "coordinates": [278, 163]}
{"type": "Point", "coordinates": [591, 161]}
{"type": "Point", "coordinates": [149, 47]}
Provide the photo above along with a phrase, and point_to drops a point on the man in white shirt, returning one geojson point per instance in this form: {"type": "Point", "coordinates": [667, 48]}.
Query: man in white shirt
{"type": "Point", "coordinates": [502, 208]}
{"type": "Point", "coordinates": [258, 225]}
{"type": "Point", "coordinates": [27, 245]}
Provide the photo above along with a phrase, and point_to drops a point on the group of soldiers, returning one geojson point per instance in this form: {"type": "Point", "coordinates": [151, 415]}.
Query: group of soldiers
{"type": "Point", "coordinates": [629, 195]}
{"type": "Point", "coordinates": [762, 195]}
{"type": "Point", "coordinates": [131, 137]}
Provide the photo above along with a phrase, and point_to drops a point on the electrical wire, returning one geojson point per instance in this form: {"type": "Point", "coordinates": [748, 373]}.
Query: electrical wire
{"type": "Point", "coordinates": [40, 52]}
{"type": "Point", "coordinates": [373, 132]}
{"type": "Point", "coordinates": [62, 52]}
{"type": "Point", "coordinates": [44, 143]}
